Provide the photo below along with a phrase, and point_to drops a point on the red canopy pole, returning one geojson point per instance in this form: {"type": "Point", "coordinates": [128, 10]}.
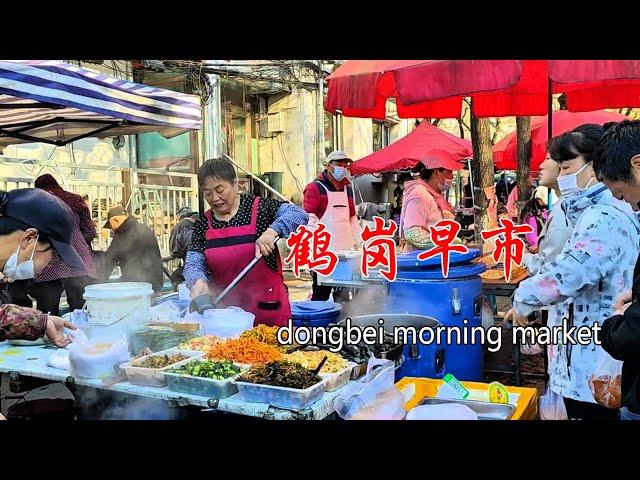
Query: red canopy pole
{"type": "Point", "coordinates": [550, 130]}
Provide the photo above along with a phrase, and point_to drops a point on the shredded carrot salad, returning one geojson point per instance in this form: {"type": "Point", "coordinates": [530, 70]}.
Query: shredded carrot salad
{"type": "Point", "coordinates": [244, 350]}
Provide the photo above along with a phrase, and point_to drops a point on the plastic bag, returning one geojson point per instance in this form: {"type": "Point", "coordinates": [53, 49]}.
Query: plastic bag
{"type": "Point", "coordinates": [96, 358]}
{"type": "Point", "coordinates": [552, 407]}
{"type": "Point", "coordinates": [78, 317]}
{"type": "Point", "coordinates": [59, 360]}
{"type": "Point", "coordinates": [166, 312]}
{"type": "Point", "coordinates": [532, 348]}
{"type": "Point", "coordinates": [487, 315]}
{"type": "Point", "coordinates": [376, 398]}
{"type": "Point", "coordinates": [228, 322]}
{"type": "Point", "coordinates": [606, 381]}
{"type": "Point", "coordinates": [184, 293]}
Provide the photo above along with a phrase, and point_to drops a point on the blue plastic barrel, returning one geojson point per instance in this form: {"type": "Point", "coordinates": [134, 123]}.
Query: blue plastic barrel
{"type": "Point", "coordinates": [314, 313]}
{"type": "Point", "coordinates": [421, 289]}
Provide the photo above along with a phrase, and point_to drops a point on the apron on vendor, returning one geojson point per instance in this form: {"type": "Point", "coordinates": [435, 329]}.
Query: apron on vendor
{"type": "Point", "coordinates": [424, 203]}
{"type": "Point", "coordinates": [329, 200]}
{"type": "Point", "coordinates": [237, 228]}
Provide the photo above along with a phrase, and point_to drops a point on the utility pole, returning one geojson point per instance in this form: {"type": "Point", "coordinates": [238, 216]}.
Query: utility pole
{"type": "Point", "coordinates": [320, 120]}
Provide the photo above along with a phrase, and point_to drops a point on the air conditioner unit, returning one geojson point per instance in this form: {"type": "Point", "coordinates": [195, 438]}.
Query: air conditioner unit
{"type": "Point", "coordinates": [275, 122]}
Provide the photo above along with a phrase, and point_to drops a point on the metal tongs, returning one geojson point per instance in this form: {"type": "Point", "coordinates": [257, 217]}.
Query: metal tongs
{"type": "Point", "coordinates": [320, 365]}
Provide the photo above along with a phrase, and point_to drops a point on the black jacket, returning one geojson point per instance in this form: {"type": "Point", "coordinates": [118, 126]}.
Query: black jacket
{"type": "Point", "coordinates": [180, 238]}
{"type": "Point", "coordinates": [135, 249]}
{"type": "Point", "coordinates": [621, 339]}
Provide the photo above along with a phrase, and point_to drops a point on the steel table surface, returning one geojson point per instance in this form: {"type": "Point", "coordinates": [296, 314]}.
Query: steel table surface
{"type": "Point", "coordinates": [31, 361]}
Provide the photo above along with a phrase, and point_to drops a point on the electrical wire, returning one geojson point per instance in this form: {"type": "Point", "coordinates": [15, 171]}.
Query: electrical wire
{"type": "Point", "coordinates": [284, 157]}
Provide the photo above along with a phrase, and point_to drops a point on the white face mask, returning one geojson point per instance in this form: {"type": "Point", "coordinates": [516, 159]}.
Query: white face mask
{"type": "Point", "coordinates": [447, 183]}
{"type": "Point", "coordinates": [23, 271]}
{"type": "Point", "coordinates": [568, 184]}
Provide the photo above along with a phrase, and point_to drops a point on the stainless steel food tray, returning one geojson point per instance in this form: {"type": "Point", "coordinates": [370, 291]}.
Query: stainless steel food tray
{"type": "Point", "coordinates": [484, 410]}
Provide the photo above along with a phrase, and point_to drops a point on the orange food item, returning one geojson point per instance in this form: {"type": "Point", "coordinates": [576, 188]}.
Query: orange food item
{"type": "Point", "coordinates": [493, 274]}
{"type": "Point", "coordinates": [607, 391]}
{"type": "Point", "coordinates": [244, 350]}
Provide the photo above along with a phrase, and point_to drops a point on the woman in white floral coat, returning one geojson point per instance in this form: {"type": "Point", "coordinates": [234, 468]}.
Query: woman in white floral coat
{"type": "Point", "coordinates": [595, 265]}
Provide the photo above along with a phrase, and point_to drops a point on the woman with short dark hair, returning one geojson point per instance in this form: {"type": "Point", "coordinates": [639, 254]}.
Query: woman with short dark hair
{"type": "Point", "coordinates": [237, 228]}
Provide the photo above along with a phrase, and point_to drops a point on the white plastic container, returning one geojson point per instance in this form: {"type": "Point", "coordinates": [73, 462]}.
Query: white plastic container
{"type": "Point", "coordinates": [337, 380]}
{"type": "Point", "coordinates": [154, 377]}
{"type": "Point", "coordinates": [116, 308]}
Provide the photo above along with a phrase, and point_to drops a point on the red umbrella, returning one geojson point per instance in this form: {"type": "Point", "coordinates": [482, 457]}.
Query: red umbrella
{"type": "Point", "coordinates": [505, 152]}
{"type": "Point", "coordinates": [422, 88]}
{"type": "Point", "coordinates": [407, 152]}
{"type": "Point", "coordinates": [435, 88]}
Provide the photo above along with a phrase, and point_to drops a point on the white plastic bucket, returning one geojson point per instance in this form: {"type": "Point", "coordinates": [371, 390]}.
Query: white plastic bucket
{"type": "Point", "coordinates": [116, 308]}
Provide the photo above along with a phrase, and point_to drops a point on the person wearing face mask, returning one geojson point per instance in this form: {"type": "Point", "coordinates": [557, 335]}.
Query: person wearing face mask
{"type": "Point", "coordinates": [329, 200]}
{"type": "Point", "coordinates": [552, 238]}
{"type": "Point", "coordinates": [585, 278]}
{"type": "Point", "coordinates": [424, 203]}
{"type": "Point", "coordinates": [47, 287]}
{"type": "Point", "coordinates": [33, 224]}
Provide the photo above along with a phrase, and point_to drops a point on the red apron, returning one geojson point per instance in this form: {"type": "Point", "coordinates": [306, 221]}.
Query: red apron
{"type": "Point", "coordinates": [262, 291]}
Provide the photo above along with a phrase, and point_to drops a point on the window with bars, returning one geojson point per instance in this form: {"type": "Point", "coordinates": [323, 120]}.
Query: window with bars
{"type": "Point", "coordinates": [333, 139]}
{"type": "Point", "coordinates": [381, 135]}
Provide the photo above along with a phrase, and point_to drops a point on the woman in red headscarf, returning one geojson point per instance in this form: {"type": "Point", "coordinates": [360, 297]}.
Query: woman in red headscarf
{"type": "Point", "coordinates": [47, 287]}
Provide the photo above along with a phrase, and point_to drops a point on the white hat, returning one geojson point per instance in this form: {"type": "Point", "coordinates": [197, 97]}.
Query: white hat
{"type": "Point", "coordinates": [439, 158]}
{"type": "Point", "coordinates": [337, 156]}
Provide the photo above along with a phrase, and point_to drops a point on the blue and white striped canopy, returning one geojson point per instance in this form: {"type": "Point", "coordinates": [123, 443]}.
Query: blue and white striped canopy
{"type": "Point", "coordinates": [57, 103]}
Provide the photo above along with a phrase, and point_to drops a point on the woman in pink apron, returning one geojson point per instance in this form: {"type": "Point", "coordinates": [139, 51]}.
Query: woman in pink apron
{"type": "Point", "coordinates": [423, 203]}
{"type": "Point", "coordinates": [237, 228]}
